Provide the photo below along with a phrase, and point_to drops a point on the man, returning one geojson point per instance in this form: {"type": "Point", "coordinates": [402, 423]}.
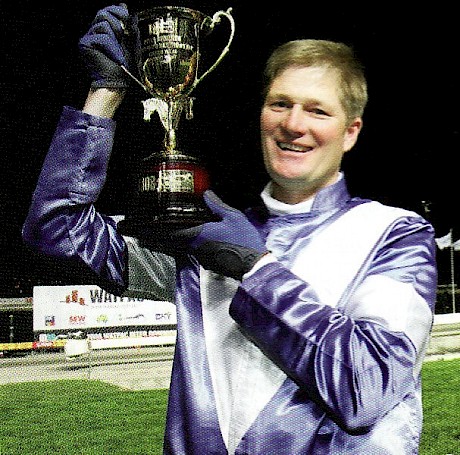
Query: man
{"type": "Point", "coordinates": [302, 324]}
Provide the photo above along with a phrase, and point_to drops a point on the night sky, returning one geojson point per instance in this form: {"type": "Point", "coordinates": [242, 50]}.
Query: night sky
{"type": "Point", "coordinates": [406, 154]}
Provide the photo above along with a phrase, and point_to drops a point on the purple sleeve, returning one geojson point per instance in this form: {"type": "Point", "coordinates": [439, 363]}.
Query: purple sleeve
{"type": "Point", "coordinates": [62, 220]}
{"type": "Point", "coordinates": [356, 367]}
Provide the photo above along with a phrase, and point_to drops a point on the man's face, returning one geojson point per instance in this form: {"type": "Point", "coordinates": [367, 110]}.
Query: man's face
{"type": "Point", "coordinates": [304, 132]}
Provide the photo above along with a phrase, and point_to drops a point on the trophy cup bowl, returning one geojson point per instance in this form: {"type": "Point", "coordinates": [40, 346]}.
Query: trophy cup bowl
{"type": "Point", "coordinates": [169, 184]}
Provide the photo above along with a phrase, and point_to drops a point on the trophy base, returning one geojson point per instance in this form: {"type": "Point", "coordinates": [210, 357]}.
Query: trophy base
{"type": "Point", "coordinates": [157, 234]}
{"type": "Point", "coordinates": [168, 196]}
{"type": "Point", "coordinates": [160, 227]}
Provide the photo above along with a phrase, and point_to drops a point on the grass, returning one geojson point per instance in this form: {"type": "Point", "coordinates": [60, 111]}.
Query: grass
{"type": "Point", "coordinates": [441, 403]}
{"type": "Point", "coordinates": [82, 417]}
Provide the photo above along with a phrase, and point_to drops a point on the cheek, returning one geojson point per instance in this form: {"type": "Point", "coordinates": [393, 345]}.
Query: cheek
{"type": "Point", "coordinates": [328, 134]}
{"type": "Point", "coordinates": [267, 122]}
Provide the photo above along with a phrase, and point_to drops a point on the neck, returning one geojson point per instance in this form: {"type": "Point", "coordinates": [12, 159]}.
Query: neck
{"type": "Point", "coordinates": [297, 194]}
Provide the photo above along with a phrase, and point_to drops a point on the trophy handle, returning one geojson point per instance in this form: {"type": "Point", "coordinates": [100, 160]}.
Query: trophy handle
{"type": "Point", "coordinates": [213, 22]}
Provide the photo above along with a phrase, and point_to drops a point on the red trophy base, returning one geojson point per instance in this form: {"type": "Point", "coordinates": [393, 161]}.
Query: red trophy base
{"type": "Point", "coordinates": [168, 196]}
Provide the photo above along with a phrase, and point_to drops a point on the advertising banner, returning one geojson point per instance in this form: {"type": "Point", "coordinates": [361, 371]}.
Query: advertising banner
{"type": "Point", "coordinates": [88, 307]}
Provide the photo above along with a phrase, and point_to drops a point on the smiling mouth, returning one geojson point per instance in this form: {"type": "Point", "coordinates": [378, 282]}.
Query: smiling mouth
{"type": "Point", "coordinates": [289, 147]}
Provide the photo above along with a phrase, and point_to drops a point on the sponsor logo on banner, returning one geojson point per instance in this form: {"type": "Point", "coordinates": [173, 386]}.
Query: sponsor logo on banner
{"type": "Point", "coordinates": [50, 321]}
{"type": "Point", "coordinates": [77, 319]}
{"type": "Point", "coordinates": [163, 316]}
{"type": "Point", "coordinates": [74, 298]}
{"type": "Point", "coordinates": [89, 307]}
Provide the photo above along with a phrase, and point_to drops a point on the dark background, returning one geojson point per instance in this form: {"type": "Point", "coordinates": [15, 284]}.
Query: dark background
{"type": "Point", "coordinates": [406, 153]}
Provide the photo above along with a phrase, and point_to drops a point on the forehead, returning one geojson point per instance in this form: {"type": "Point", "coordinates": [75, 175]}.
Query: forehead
{"type": "Point", "coordinates": [306, 81]}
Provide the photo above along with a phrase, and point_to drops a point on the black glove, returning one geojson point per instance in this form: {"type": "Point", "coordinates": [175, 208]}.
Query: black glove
{"type": "Point", "coordinates": [230, 247]}
{"type": "Point", "coordinates": [109, 44]}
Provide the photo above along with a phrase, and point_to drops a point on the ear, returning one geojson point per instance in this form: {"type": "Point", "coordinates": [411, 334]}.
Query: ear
{"type": "Point", "coordinates": [352, 133]}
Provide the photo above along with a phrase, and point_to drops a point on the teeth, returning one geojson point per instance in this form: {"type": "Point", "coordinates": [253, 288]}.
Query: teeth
{"type": "Point", "coordinates": [293, 147]}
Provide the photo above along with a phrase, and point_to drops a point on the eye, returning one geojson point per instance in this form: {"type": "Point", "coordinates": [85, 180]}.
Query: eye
{"type": "Point", "coordinates": [279, 105]}
{"type": "Point", "coordinates": [319, 112]}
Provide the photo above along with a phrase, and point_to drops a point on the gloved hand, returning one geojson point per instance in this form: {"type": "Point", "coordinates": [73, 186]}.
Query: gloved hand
{"type": "Point", "coordinates": [109, 43]}
{"type": "Point", "coordinates": [230, 246]}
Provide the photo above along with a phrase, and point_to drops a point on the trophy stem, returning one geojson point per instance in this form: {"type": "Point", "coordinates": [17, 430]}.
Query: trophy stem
{"type": "Point", "coordinates": [173, 116]}
{"type": "Point", "coordinates": [170, 142]}
{"type": "Point", "coordinates": [169, 112]}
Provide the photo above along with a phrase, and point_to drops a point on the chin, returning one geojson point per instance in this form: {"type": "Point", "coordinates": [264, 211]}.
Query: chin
{"type": "Point", "coordinates": [289, 176]}
{"type": "Point", "coordinates": [290, 182]}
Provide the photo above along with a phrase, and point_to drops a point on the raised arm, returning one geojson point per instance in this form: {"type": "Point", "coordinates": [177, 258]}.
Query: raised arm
{"type": "Point", "coordinates": [62, 220]}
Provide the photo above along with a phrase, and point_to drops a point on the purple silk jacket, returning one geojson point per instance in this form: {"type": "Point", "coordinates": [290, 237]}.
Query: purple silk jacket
{"type": "Point", "coordinates": [316, 351]}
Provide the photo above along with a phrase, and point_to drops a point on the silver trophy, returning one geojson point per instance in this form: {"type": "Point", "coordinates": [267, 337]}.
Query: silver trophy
{"type": "Point", "coordinates": [170, 183]}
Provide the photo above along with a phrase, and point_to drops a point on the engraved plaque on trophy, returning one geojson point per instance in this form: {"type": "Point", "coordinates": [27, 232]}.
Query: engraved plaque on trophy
{"type": "Point", "coordinates": [170, 182]}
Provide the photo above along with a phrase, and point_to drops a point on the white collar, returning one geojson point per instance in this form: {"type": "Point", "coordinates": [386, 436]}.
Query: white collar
{"type": "Point", "coordinates": [276, 207]}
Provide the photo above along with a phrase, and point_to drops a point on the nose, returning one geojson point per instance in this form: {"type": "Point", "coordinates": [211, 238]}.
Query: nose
{"type": "Point", "coordinates": [295, 121]}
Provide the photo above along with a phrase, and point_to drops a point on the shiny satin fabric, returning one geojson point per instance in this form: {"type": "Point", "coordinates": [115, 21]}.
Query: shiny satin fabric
{"type": "Point", "coordinates": [331, 378]}
{"type": "Point", "coordinates": [347, 381]}
{"type": "Point", "coordinates": [61, 221]}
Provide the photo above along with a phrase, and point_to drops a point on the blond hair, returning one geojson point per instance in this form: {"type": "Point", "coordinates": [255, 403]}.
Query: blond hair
{"type": "Point", "coordinates": [323, 53]}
